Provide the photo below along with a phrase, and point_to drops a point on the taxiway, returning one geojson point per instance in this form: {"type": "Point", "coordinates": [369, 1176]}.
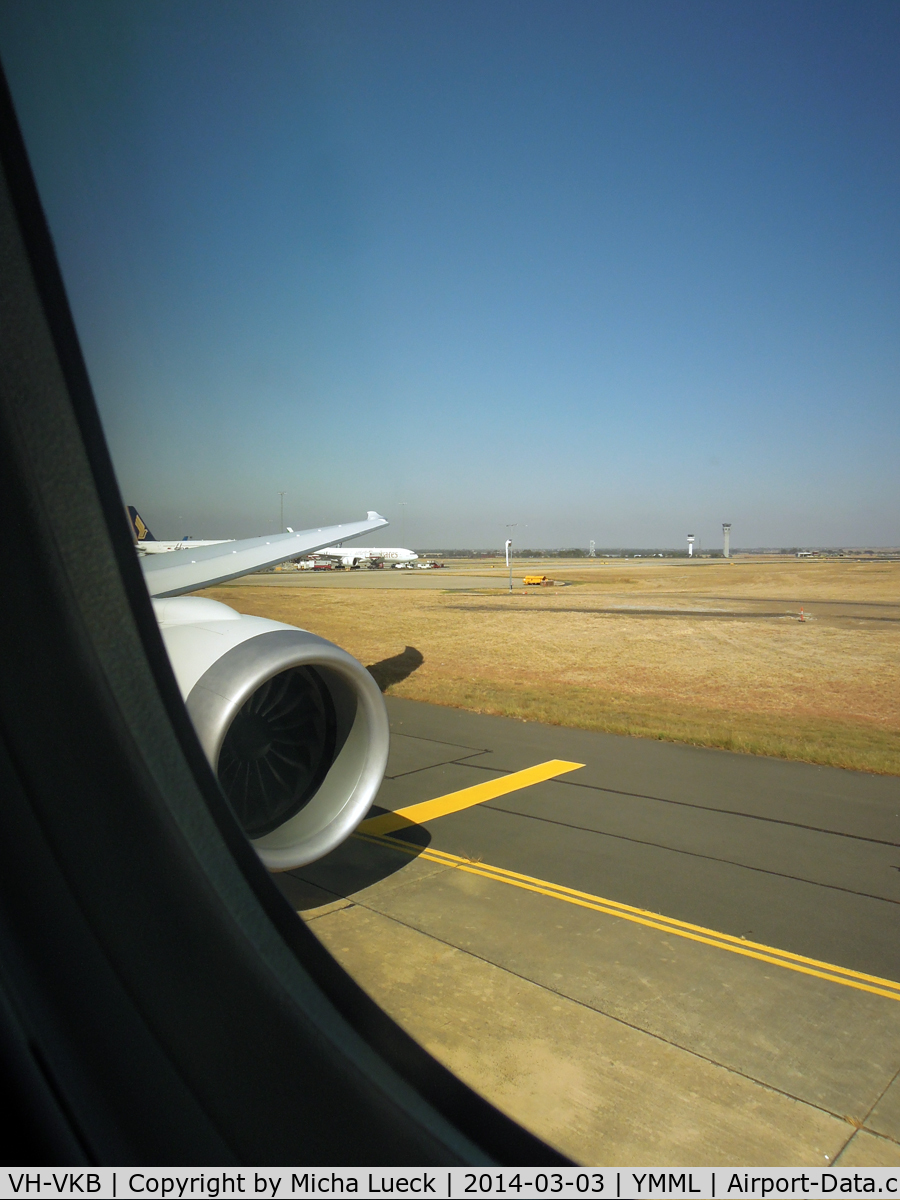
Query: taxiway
{"type": "Point", "coordinates": [664, 955]}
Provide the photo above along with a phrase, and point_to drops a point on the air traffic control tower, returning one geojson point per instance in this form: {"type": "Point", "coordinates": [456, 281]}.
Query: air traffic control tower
{"type": "Point", "coordinates": [726, 539]}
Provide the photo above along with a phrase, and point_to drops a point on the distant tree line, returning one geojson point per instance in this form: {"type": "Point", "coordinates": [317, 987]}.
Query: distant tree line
{"type": "Point", "coordinates": [637, 552]}
{"type": "Point", "coordinates": [568, 552]}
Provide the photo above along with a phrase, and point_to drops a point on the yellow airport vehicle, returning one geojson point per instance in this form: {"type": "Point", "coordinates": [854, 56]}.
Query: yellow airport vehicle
{"type": "Point", "coordinates": [537, 581]}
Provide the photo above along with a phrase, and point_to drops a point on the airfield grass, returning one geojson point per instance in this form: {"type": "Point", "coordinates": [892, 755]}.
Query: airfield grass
{"type": "Point", "coordinates": [717, 657]}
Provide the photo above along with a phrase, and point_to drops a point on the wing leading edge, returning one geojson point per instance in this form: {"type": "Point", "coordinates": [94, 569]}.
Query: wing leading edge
{"type": "Point", "coordinates": [186, 570]}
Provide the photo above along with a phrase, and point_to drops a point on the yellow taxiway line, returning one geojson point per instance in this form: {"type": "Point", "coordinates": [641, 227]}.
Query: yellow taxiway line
{"type": "Point", "coordinates": [416, 814]}
{"type": "Point", "coordinates": [640, 916]}
{"type": "Point", "coordinates": [375, 828]}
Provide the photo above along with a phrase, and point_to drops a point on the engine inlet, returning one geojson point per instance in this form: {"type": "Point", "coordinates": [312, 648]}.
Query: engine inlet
{"type": "Point", "coordinates": [278, 750]}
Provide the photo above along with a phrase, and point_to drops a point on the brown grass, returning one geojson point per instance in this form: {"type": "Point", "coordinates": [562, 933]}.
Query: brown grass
{"type": "Point", "coordinates": [825, 691]}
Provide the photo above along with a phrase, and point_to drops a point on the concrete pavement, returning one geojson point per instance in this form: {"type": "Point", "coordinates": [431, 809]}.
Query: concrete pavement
{"type": "Point", "coordinates": [753, 1022]}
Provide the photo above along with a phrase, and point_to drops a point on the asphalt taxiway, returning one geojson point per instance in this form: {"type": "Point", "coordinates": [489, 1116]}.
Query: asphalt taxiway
{"type": "Point", "coordinates": [409, 580]}
{"type": "Point", "coordinates": [648, 953]}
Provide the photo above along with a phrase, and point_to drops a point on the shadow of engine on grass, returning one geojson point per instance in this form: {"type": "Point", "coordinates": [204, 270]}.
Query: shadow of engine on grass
{"type": "Point", "coordinates": [394, 670]}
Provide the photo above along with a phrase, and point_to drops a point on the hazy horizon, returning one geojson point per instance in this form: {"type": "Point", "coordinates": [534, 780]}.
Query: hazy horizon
{"type": "Point", "coordinates": [616, 271]}
{"type": "Point", "coordinates": [601, 551]}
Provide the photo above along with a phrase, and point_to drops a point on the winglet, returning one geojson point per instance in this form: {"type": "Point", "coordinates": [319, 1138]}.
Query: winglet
{"type": "Point", "coordinates": [138, 528]}
{"type": "Point", "coordinates": [374, 516]}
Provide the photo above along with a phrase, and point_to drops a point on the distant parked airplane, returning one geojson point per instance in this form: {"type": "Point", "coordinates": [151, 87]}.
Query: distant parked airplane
{"type": "Point", "coordinates": [379, 555]}
{"type": "Point", "coordinates": [147, 543]}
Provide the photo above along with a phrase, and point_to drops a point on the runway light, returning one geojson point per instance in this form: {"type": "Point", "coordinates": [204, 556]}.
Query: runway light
{"type": "Point", "coordinates": [508, 559]}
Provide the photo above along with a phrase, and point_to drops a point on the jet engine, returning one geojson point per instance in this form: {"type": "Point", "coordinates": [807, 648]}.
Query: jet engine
{"type": "Point", "coordinates": [295, 728]}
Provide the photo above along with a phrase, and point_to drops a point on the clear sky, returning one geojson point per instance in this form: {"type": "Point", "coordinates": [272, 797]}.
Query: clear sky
{"type": "Point", "coordinates": [609, 270]}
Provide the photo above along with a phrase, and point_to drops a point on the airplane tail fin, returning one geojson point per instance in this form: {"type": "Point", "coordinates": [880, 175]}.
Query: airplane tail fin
{"type": "Point", "coordinates": [138, 528]}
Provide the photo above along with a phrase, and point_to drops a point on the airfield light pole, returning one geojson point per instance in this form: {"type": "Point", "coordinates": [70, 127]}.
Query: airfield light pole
{"type": "Point", "coordinates": [726, 539]}
{"type": "Point", "coordinates": [281, 526]}
{"type": "Point", "coordinates": [508, 558]}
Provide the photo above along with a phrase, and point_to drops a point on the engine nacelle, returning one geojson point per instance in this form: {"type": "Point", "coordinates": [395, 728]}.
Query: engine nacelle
{"type": "Point", "coordinates": [294, 727]}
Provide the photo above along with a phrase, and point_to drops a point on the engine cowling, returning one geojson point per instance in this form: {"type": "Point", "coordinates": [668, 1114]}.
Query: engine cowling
{"type": "Point", "coordinates": [294, 727]}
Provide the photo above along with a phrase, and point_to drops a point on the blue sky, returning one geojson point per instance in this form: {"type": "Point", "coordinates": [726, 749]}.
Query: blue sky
{"type": "Point", "coordinates": [618, 271]}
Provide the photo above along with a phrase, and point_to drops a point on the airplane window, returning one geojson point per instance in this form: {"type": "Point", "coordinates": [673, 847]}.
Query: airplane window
{"type": "Point", "coordinates": [502, 404]}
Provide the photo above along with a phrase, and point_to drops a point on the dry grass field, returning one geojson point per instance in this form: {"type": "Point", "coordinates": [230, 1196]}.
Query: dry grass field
{"type": "Point", "coordinates": [711, 652]}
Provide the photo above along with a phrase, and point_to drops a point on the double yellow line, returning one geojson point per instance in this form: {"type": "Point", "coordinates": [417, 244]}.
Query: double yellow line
{"type": "Point", "coordinates": [375, 829]}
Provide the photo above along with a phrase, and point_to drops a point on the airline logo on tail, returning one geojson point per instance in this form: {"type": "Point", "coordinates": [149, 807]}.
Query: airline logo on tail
{"type": "Point", "coordinates": [147, 544]}
{"type": "Point", "coordinates": [138, 528]}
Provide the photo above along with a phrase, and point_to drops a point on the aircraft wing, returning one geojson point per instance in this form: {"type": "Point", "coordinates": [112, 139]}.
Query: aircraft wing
{"type": "Point", "coordinates": [182, 571]}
